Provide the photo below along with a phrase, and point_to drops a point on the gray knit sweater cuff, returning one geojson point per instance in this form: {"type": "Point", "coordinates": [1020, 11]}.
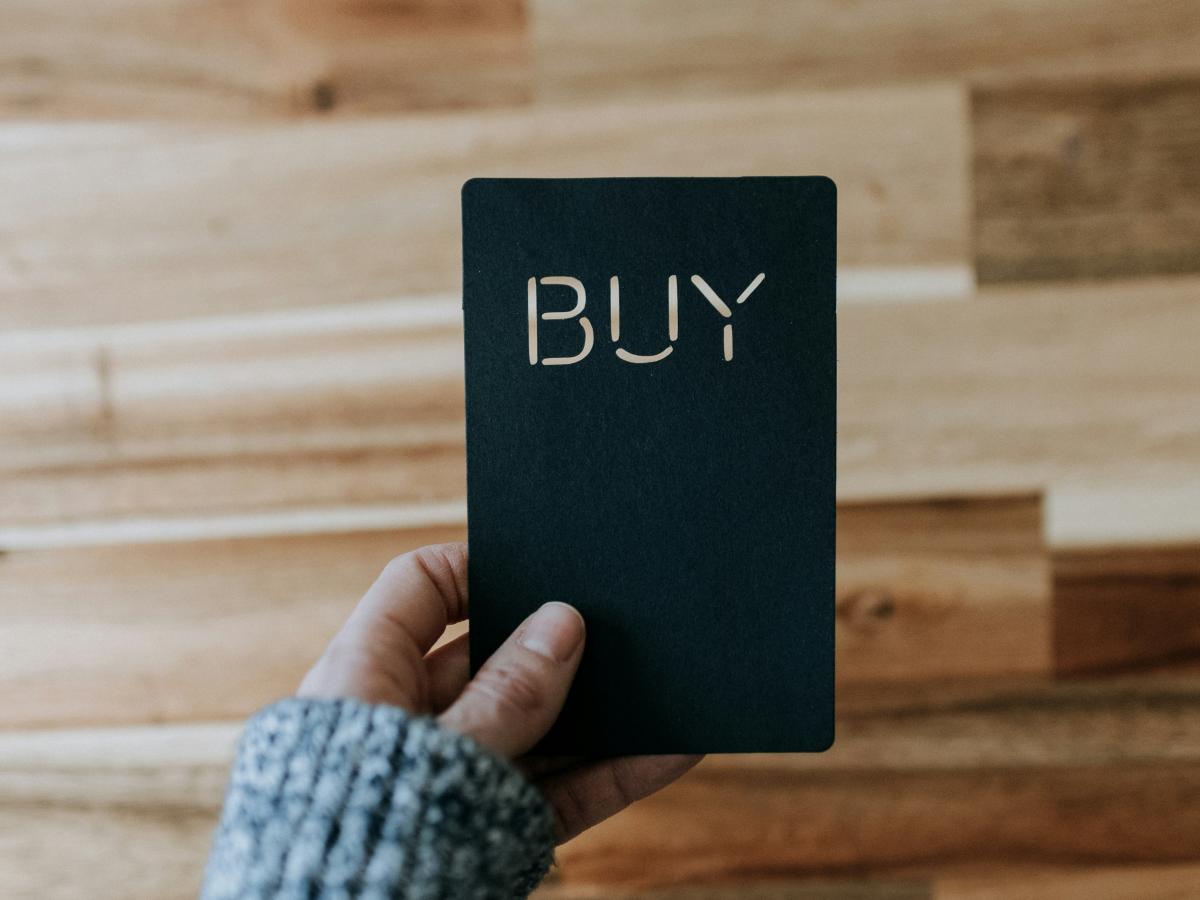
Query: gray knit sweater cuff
{"type": "Point", "coordinates": [337, 798]}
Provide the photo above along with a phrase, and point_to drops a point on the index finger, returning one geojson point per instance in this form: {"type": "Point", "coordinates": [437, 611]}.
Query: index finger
{"type": "Point", "coordinates": [418, 593]}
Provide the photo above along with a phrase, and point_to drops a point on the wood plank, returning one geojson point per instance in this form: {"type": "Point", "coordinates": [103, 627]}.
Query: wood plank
{"type": "Point", "coordinates": [942, 589]}
{"type": "Point", "coordinates": [1074, 385]}
{"type": "Point", "coordinates": [180, 630]}
{"type": "Point", "coordinates": [1028, 725]}
{"type": "Point", "coordinates": [110, 814]}
{"type": "Point", "coordinates": [711, 825]}
{"type": "Point", "coordinates": [221, 416]}
{"type": "Point", "coordinates": [1039, 776]}
{"type": "Point", "coordinates": [297, 215]}
{"type": "Point", "coordinates": [1012, 724]}
{"type": "Point", "coordinates": [1131, 512]}
{"type": "Point", "coordinates": [1086, 178]}
{"type": "Point", "coordinates": [739, 889]}
{"type": "Point", "coordinates": [1126, 608]}
{"type": "Point", "coordinates": [214, 624]}
{"type": "Point", "coordinates": [1107, 882]}
{"type": "Point", "coordinates": [1071, 387]}
{"type": "Point", "coordinates": [1050, 776]}
{"type": "Point", "coordinates": [190, 58]}
{"type": "Point", "coordinates": [81, 852]}
{"type": "Point", "coordinates": [628, 48]}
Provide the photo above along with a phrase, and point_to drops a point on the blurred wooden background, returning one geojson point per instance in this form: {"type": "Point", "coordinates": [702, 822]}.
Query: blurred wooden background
{"type": "Point", "coordinates": [230, 390]}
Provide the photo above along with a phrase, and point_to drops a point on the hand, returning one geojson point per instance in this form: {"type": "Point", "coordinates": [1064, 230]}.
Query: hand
{"type": "Point", "coordinates": [383, 655]}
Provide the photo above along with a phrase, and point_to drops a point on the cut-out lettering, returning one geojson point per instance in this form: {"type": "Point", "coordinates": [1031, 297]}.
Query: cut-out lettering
{"type": "Point", "coordinates": [614, 307]}
{"type": "Point", "coordinates": [723, 308]}
{"type": "Point", "coordinates": [580, 302]}
{"type": "Point", "coordinates": [614, 317]}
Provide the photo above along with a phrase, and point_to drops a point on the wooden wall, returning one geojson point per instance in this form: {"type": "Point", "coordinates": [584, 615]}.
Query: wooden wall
{"type": "Point", "coordinates": [230, 390]}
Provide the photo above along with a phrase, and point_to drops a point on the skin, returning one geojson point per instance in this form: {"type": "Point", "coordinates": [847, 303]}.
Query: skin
{"type": "Point", "coordinates": [383, 654]}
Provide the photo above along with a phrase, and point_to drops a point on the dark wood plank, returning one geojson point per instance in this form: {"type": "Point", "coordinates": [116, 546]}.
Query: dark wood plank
{"type": "Point", "coordinates": [748, 889]}
{"type": "Point", "coordinates": [715, 824]}
{"type": "Point", "coordinates": [1046, 775]}
{"type": "Point", "coordinates": [1126, 608]}
{"type": "Point", "coordinates": [1170, 882]}
{"type": "Point", "coordinates": [1086, 178]}
{"type": "Point", "coordinates": [197, 58]}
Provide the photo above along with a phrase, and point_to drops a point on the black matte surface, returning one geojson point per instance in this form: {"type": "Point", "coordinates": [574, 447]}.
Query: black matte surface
{"type": "Point", "coordinates": [686, 507]}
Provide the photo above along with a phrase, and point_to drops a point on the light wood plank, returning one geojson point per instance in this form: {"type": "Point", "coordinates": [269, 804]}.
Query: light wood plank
{"type": "Point", "coordinates": [1130, 512]}
{"type": "Point", "coordinates": [173, 631]}
{"type": "Point", "coordinates": [82, 853]}
{"type": "Point", "coordinates": [201, 625]}
{"type": "Point", "coordinates": [193, 58]}
{"type": "Point", "coordinates": [320, 213]}
{"type": "Point", "coordinates": [244, 415]}
{"type": "Point", "coordinates": [601, 48]}
{"type": "Point", "coordinates": [1086, 178]}
{"type": "Point", "coordinates": [110, 814]}
{"type": "Point", "coordinates": [935, 590]}
{"type": "Point", "coordinates": [1072, 388]}
{"type": "Point", "coordinates": [1074, 385]}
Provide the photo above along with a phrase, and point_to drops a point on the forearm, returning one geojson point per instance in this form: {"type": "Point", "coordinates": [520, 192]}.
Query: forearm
{"type": "Point", "coordinates": [341, 798]}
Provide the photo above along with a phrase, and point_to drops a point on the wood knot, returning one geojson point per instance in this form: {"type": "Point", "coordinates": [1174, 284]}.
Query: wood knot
{"type": "Point", "coordinates": [863, 609]}
{"type": "Point", "coordinates": [324, 95]}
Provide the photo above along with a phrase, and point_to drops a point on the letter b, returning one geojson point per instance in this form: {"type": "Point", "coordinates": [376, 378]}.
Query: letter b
{"type": "Point", "coordinates": [580, 302]}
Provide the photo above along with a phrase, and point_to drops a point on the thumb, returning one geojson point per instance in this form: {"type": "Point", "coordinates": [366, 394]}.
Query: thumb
{"type": "Point", "coordinates": [517, 694]}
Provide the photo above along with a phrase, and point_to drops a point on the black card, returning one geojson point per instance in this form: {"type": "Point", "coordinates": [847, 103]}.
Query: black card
{"type": "Point", "coordinates": [651, 425]}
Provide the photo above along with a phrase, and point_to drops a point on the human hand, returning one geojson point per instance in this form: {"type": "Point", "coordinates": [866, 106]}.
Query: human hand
{"type": "Point", "coordinates": [383, 655]}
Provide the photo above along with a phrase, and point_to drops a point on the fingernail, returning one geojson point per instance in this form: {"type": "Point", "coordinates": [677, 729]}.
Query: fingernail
{"type": "Point", "coordinates": [554, 631]}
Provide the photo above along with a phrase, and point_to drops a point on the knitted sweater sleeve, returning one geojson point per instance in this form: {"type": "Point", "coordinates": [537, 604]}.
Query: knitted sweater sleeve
{"type": "Point", "coordinates": [337, 798]}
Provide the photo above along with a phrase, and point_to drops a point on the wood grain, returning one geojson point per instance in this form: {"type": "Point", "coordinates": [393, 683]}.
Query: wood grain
{"type": "Point", "coordinates": [1086, 178]}
{"type": "Point", "coordinates": [253, 414]}
{"type": "Point", "coordinates": [755, 889]}
{"type": "Point", "coordinates": [182, 630]}
{"type": "Point", "coordinates": [216, 626]}
{"type": "Point", "coordinates": [934, 590]}
{"type": "Point", "coordinates": [932, 790]}
{"type": "Point", "coordinates": [297, 215]}
{"type": "Point", "coordinates": [1078, 387]}
{"type": "Point", "coordinates": [110, 814]}
{"type": "Point", "coordinates": [600, 48]}
{"type": "Point", "coordinates": [231, 390]}
{"type": "Point", "coordinates": [1047, 775]}
{"type": "Point", "coordinates": [1126, 608]}
{"type": "Point", "coordinates": [1176, 882]}
{"type": "Point", "coordinates": [82, 852]}
{"type": "Point", "coordinates": [772, 822]}
{"type": "Point", "coordinates": [205, 58]}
